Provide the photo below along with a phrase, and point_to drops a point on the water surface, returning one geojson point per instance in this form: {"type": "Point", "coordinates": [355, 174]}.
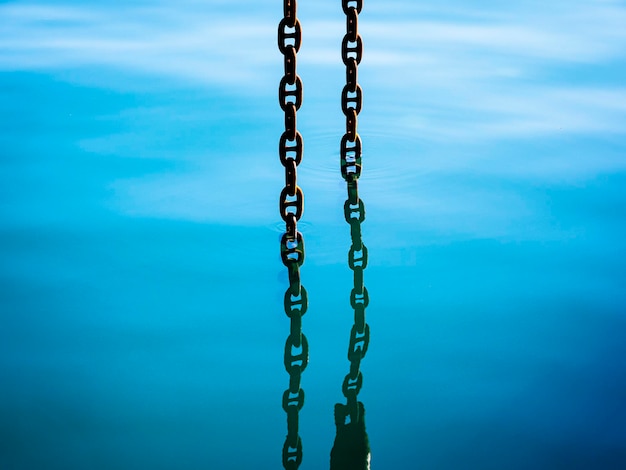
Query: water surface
{"type": "Point", "coordinates": [141, 286]}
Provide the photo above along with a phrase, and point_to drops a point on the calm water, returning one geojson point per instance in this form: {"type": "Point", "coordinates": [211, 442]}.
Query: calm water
{"type": "Point", "coordinates": [141, 286]}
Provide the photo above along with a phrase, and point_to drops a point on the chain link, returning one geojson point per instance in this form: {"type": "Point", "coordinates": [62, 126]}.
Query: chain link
{"type": "Point", "coordinates": [354, 208]}
{"type": "Point", "coordinates": [291, 207]}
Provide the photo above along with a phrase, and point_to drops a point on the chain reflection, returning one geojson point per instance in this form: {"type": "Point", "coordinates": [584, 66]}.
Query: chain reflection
{"type": "Point", "coordinates": [351, 447]}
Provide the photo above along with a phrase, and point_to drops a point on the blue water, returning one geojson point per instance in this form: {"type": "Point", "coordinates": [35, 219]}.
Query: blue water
{"type": "Point", "coordinates": [141, 286]}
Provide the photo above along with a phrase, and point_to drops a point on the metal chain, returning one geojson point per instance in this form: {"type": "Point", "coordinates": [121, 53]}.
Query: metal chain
{"type": "Point", "coordinates": [291, 206]}
{"type": "Point", "coordinates": [354, 208]}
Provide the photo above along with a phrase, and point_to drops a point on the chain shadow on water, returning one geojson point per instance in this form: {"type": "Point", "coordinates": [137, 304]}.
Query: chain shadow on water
{"type": "Point", "coordinates": [351, 450]}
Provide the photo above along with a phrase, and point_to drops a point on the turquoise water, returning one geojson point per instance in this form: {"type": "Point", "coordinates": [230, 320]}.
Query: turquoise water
{"type": "Point", "coordinates": [141, 288]}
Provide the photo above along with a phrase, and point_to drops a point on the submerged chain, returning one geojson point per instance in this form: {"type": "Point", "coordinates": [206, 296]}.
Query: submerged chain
{"type": "Point", "coordinates": [354, 209]}
{"type": "Point", "coordinates": [291, 206]}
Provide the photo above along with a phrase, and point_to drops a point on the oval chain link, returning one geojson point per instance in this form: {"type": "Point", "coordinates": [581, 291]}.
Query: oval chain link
{"type": "Point", "coordinates": [291, 207]}
{"type": "Point", "coordinates": [354, 208]}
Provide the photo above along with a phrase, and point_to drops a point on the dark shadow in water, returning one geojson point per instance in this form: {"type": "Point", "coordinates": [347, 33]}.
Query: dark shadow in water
{"type": "Point", "coordinates": [296, 346]}
{"type": "Point", "coordinates": [351, 446]}
{"type": "Point", "coordinates": [351, 450]}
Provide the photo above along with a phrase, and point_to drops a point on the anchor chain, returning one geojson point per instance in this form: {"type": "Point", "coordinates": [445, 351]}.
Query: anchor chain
{"type": "Point", "coordinates": [354, 208]}
{"type": "Point", "coordinates": [291, 206]}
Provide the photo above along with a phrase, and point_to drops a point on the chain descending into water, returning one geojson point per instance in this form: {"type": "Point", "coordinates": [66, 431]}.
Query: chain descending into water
{"type": "Point", "coordinates": [291, 205]}
{"type": "Point", "coordinates": [354, 209]}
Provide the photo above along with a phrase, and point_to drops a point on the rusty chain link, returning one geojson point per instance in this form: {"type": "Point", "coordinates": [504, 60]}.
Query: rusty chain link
{"type": "Point", "coordinates": [291, 206]}
{"type": "Point", "coordinates": [354, 208]}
